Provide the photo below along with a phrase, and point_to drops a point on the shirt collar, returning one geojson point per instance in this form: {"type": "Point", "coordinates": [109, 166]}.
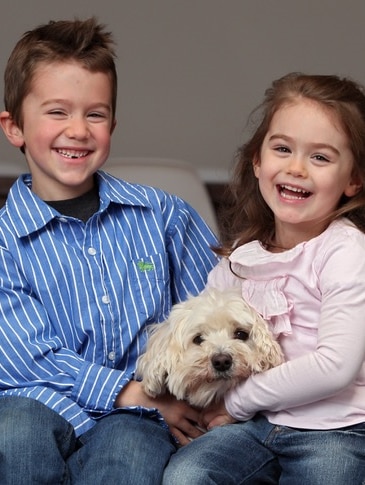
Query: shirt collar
{"type": "Point", "coordinates": [28, 213]}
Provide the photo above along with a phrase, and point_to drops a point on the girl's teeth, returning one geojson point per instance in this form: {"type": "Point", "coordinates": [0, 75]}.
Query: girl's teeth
{"type": "Point", "coordinates": [293, 193]}
{"type": "Point", "coordinates": [294, 189]}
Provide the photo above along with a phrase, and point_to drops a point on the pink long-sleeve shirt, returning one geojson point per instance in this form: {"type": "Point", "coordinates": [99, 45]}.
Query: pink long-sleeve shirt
{"type": "Point", "coordinates": [313, 297]}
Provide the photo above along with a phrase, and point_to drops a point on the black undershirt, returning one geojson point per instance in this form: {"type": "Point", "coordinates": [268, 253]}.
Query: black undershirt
{"type": "Point", "coordinates": [82, 207]}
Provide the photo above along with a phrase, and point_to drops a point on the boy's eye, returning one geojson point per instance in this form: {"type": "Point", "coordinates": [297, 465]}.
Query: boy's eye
{"type": "Point", "coordinates": [97, 115]}
{"type": "Point", "coordinates": [57, 112]}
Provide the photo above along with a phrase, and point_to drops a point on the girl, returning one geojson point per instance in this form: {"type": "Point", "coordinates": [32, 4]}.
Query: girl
{"type": "Point", "coordinates": [297, 249]}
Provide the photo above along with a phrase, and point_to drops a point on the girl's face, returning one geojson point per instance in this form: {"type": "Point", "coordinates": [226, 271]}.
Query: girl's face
{"type": "Point", "coordinates": [67, 128]}
{"type": "Point", "coordinates": [305, 167]}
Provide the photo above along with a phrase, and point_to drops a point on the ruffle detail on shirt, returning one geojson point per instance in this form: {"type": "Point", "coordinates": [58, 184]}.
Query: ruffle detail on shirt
{"type": "Point", "coordinates": [264, 276]}
{"type": "Point", "coordinates": [268, 298]}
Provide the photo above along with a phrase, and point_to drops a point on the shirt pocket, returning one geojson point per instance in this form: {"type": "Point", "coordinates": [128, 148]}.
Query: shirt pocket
{"type": "Point", "coordinates": [151, 280]}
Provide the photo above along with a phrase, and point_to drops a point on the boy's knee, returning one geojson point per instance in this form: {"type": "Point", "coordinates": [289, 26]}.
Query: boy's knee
{"type": "Point", "coordinates": [18, 416]}
{"type": "Point", "coordinates": [27, 423]}
{"type": "Point", "coordinates": [35, 442]}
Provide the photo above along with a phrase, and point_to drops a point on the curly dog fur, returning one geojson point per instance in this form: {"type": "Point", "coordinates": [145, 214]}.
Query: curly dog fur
{"type": "Point", "coordinates": [208, 344]}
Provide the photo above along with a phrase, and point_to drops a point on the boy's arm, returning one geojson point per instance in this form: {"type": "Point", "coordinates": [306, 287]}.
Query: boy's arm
{"type": "Point", "coordinates": [34, 357]}
{"type": "Point", "coordinates": [190, 251]}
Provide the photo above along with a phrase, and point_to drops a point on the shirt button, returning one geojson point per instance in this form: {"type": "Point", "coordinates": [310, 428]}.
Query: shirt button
{"type": "Point", "coordinates": [62, 219]}
{"type": "Point", "coordinates": [111, 356]}
{"type": "Point", "coordinates": [105, 299]}
{"type": "Point", "coordinates": [91, 251]}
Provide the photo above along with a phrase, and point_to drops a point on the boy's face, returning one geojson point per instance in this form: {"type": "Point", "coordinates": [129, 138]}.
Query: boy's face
{"type": "Point", "coordinates": [67, 128]}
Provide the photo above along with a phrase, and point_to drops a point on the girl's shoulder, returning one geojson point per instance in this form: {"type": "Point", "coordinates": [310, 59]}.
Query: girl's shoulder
{"type": "Point", "coordinates": [341, 241]}
{"type": "Point", "coordinates": [341, 231]}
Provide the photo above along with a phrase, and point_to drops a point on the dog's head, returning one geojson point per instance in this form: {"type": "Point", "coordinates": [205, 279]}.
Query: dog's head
{"type": "Point", "coordinates": [208, 344]}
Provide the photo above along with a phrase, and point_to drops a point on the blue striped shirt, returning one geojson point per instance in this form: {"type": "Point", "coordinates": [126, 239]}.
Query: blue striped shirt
{"type": "Point", "coordinates": [76, 297]}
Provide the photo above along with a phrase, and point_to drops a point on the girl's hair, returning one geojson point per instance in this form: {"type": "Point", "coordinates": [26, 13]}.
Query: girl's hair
{"type": "Point", "coordinates": [248, 217]}
{"type": "Point", "coordinates": [85, 42]}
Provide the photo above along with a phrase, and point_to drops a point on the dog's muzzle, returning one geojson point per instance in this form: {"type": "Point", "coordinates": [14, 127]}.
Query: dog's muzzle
{"type": "Point", "coordinates": [221, 362]}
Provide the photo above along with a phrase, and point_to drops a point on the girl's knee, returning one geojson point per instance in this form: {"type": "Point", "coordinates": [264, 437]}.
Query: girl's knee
{"type": "Point", "coordinates": [184, 475]}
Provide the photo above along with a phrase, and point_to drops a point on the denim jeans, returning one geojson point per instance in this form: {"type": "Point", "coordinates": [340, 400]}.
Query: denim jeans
{"type": "Point", "coordinates": [37, 446]}
{"type": "Point", "coordinates": [257, 452]}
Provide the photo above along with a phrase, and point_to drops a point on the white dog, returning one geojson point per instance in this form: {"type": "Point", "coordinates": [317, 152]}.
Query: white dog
{"type": "Point", "coordinates": [208, 344]}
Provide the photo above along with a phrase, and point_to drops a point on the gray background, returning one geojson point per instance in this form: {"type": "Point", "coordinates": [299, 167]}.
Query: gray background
{"type": "Point", "coordinates": [190, 71]}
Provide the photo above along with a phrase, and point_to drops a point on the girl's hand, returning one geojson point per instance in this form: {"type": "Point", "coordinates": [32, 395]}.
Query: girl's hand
{"type": "Point", "coordinates": [181, 418]}
{"type": "Point", "coordinates": [215, 415]}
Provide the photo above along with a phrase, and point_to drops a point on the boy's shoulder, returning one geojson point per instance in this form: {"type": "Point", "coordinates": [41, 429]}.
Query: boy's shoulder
{"type": "Point", "coordinates": [124, 192]}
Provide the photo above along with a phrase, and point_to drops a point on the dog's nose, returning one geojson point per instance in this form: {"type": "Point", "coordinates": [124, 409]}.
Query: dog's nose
{"type": "Point", "coordinates": [222, 362]}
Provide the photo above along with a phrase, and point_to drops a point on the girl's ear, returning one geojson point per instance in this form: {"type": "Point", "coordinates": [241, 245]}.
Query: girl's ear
{"type": "Point", "coordinates": [353, 187]}
{"type": "Point", "coordinates": [12, 131]}
{"type": "Point", "coordinates": [256, 166]}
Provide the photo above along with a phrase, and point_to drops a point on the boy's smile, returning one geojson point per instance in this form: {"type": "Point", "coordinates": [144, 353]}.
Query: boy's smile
{"type": "Point", "coordinates": [305, 167]}
{"type": "Point", "coordinates": [67, 128]}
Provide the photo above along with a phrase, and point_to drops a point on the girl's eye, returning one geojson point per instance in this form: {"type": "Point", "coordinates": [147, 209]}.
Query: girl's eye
{"type": "Point", "coordinates": [282, 149]}
{"type": "Point", "coordinates": [320, 158]}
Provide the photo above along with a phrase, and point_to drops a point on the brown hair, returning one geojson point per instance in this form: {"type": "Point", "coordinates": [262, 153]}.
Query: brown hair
{"type": "Point", "coordinates": [248, 217]}
{"type": "Point", "coordinates": [83, 41]}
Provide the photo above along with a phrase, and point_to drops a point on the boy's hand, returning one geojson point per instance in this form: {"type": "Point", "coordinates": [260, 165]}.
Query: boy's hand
{"type": "Point", "coordinates": [180, 416]}
{"type": "Point", "coordinates": [215, 415]}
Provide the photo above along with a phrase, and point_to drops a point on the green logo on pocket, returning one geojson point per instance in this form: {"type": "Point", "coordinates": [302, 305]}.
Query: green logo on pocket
{"type": "Point", "coordinates": [145, 266]}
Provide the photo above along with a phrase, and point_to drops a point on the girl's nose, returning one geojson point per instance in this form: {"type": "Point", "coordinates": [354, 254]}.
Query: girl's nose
{"type": "Point", "coordinates": [296, 167]}
{"type": "Point", "coordinates": [77, 128]}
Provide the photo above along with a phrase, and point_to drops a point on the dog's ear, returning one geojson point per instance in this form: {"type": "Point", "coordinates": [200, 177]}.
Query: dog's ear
{"type": "Point", "coordinates": [180, 340]}
{"type": "Point", "coordinates": [164, 353]}
{"type": "Point", "coordinates": [268, 349]}
{"type": "Point", "coordinates": [152, 365]}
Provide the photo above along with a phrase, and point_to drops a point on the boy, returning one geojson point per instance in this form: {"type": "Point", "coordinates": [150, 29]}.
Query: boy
{"type": "Point", "coordinates": [87, 261]}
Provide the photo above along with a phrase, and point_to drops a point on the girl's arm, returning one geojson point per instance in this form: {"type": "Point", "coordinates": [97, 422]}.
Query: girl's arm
{"type": "Point", "coordinates": [336, 361]}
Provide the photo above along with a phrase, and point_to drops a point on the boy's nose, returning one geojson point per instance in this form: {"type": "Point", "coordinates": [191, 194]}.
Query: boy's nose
{"type": "Point", "coordinates": [77, 128]}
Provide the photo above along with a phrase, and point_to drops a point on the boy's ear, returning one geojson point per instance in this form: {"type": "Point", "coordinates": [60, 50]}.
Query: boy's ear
{"type": "Point", "coordinates": [114, 124]}
{"type": "Point", "coordinates": [12, 131]}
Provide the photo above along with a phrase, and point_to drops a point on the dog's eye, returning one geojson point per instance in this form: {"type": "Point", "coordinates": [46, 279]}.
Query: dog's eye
{"type": "Point", "coordinates": [198, 340]}
{"type": "Point", "coordinates": [241, 335]}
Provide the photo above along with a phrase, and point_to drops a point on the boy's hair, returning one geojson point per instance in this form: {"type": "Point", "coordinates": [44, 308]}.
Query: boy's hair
{"type": "Point", "coordinates": [248, 217]}
{"type": "Point", "coordinates": [85, 42]}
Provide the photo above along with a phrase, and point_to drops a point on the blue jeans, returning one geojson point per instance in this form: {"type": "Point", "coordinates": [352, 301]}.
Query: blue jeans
{"type": "Point", "coordinates": [257, 452]}
{"type": "Point", "coordinates": [37, 446]}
